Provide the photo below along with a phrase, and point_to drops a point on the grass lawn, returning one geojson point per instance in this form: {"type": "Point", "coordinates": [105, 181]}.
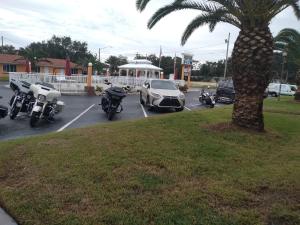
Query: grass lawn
{"type": "Point", "coordinates": [170, 169]}
{"type": "Point", "coordinates": [4, 78]}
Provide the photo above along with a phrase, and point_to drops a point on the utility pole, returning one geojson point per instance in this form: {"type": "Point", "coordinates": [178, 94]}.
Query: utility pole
{"type": "Point", "coordinates": [226, 62]}
{"type": "Point", "coordinates": [160, 53]}
{"type": "Point", "coordinates": [108, 46]}
{"type": "Point", "coordinates": [175, 67]}
{"type": "Point", "coordinates": [284, 55]}
{"type": "Point", "coordinates": [99, 54]}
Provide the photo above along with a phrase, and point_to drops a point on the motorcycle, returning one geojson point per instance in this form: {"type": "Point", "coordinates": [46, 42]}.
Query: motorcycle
{"type": "Point", "coordinates": [3, 110]}
{"type": "Point", "coordinates": [111, 101]}
{"type": "Point", "coordinates": [46, 104]}
{"type": "Point", "coordinates": [207, 98]}
{"type": "Point", "coordinates": [22, 100]}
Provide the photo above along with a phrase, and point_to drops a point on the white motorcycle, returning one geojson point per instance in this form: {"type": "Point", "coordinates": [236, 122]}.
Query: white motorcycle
{"type": "Point", "coordinates": [46, 104]}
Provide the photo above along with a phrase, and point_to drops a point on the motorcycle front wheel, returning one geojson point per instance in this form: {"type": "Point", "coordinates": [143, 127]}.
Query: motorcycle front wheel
{"type": "Point", "coordinates": [110, 115]}
{"type": "Point", "coordinates": [34, 119]}
{"type": "Point", "coordinates": [14, 112]}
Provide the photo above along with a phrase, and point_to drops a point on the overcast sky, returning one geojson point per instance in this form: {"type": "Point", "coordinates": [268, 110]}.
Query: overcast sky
{"type": "Point", "coordinates": [117, 23]}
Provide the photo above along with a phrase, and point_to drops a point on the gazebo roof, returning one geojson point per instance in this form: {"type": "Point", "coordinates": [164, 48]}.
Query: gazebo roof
{"type": "Point", "coordinates": [140, 65]}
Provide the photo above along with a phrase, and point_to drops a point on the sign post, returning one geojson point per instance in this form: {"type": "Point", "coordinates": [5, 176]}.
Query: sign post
{"type": "Point", "coordinates": [186, 71]}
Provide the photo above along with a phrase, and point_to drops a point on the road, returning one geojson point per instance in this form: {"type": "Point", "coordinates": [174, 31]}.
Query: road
{"type": "Point", "coordinates": [79, 111]}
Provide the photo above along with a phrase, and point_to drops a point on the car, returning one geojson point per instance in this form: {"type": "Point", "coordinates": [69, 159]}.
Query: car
{"type": "Point", "coordinates": [158, 93]}
{"type": "Point", "coordinates": [225, 91]}
{"type": "Point", "coordinates": [284, 89]}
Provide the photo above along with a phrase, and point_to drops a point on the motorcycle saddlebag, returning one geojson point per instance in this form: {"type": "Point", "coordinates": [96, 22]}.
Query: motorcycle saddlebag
{"type": "Point", "coordinates": [116, 91]}
{"type": "Point", "coordinates": [3, 111]}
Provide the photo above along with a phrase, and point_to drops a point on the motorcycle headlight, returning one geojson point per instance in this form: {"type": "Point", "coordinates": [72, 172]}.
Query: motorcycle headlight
{"type": "Point", "coordinates": [155, 95]}
{"type": "Point", "coordinates": [42, 98]}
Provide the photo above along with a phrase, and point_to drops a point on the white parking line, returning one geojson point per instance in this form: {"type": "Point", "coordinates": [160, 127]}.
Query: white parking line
{"type": "Point", "coordinates": [144, 111]}
{"type": "Point", "coordinates": [76, 118]}
{"type": "Point", "coordinates": [195, 105]}
{"type": "Point", "coordinates": [187, 108]}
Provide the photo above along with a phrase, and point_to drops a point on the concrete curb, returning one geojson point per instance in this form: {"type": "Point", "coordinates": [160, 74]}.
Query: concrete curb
{"type": "Point", "coordinates": [5, 219]}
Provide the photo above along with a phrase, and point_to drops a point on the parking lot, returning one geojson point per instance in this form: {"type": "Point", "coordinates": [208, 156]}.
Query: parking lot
{"type": "Point", "coordinates": [80, 111]}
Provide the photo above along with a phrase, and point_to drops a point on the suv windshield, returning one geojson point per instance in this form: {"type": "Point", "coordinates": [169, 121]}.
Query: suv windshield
{"type": "Point", "coordinates": [226, 84]}
{"type": "Point", "coordinates": [159, 84]}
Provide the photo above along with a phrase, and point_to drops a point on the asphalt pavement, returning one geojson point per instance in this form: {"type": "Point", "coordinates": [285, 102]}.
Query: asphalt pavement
{"type": "Point", "coordinates": [79, 111]}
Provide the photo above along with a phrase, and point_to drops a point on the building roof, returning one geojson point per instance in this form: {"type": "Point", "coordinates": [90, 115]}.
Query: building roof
{"type": "Point", "coordinates": [12, 59]}
{"type": "Point", "coordinates": [50, 62]}
{"type": "Point", "coordinates": [140, 65]}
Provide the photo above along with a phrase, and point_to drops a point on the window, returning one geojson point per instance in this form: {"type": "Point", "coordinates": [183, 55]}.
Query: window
{"type": "Point", "coordinates": [36, 69]}
{"type": "Point", "coordinates": [74, 71]}
{"type": "Point", "coordinates": [9, 68]}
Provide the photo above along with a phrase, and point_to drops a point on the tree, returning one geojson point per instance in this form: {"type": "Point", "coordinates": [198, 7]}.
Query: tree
{"type": "Point", "coordinates": [60, 48]}
{"type": "Point", "coordinates": [8, 49]}
{"type": "Point", "coordinates": [252, 55]}
{"type": "Point", "coordinates": [115, 62]}
{"type": "Point", "coordinates": [288, 40]}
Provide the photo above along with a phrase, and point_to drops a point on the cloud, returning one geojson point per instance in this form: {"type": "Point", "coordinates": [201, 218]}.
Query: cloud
{"type": "Point", "coordinates": [117, 23]}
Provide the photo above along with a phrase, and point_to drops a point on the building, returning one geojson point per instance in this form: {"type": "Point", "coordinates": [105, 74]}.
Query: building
{"type": "Point", "coordinates": [140, 68]}
{"type": "Point", "coordinates": [17, 63]}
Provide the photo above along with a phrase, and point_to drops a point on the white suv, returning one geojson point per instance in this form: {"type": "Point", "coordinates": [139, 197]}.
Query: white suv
{"type": "Point", "coordinates": [161, 94]}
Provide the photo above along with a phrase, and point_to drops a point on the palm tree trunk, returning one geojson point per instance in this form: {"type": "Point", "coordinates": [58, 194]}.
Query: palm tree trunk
{"type": "Point", "coordinates": [251, 60]}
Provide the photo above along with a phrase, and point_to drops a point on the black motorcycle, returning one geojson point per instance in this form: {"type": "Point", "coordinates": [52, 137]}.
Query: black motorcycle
{"type": "Point", "coordinates": [111, 101]}
{"type": "Point", "coordinates": [207, 98]}
{"type": "Point", "coordinates": [23, 99]}
{"type": "Point", "coordinates": [3, 110]}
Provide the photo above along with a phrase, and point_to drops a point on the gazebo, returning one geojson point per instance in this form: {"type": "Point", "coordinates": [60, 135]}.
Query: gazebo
{"type": "Point", "coordinates": [140, 68]}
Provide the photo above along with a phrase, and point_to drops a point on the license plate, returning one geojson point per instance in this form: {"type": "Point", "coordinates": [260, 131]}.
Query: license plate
{"type": "Point", "coordinates": [19, 104]}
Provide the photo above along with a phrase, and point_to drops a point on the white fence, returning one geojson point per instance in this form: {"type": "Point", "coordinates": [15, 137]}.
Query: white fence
{"type": "Point", "coordinates": [76, 83]}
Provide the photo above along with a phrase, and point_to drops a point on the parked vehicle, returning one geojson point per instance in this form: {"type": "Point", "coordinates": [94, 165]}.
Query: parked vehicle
{"type": "Point", "coordinates": [157, 93]}
{"type": "Point", "coordinates": [225, 91]}
{"type": "Point", "coordinates": [207, 98]}
{"type": "Point", "coordinates": [294, 87]}
{"type": "Point", "coordinates": [3, 110]}
{"type": "Point", "coordinates": [111, 101]}
{"type": "Point", "coordinates": [22, 100]}
{"type": "Point", "coordinates": [284, 89]}
{"type": "Point", "coordinates": [46, 103]}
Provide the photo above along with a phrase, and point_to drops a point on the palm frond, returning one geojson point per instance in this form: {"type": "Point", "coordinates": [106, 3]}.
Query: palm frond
{"type": "Point", "coordinates": [180, 5]}
{"type": "Point", "coordinates": [141, 4]}
{"type": "Point", "coordinates": [207, 18]}
{"type": "Point", "coordinates": [281, 5]}
{"type": "Point", "coordinates": [231, 6]}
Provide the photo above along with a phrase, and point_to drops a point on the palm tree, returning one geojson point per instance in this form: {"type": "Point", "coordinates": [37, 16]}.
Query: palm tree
{"type": "Point", "coordinates": [289, 40]}
{"type": "Point", "coordinates": [253, 50]}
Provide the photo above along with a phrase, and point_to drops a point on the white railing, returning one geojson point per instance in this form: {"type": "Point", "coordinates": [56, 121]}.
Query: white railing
{"type": "Point", "coordinates": [76, 83]}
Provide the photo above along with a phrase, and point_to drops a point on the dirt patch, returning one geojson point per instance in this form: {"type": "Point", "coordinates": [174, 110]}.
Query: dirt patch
{"type": "Point", "coordinates": [229, 126]}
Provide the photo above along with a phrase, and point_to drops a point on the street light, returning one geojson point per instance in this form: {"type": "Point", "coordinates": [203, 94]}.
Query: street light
{"type": "Point", "coordinates": [108, 46]}
{"type": "Point", "coordinates": [284, 55]}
